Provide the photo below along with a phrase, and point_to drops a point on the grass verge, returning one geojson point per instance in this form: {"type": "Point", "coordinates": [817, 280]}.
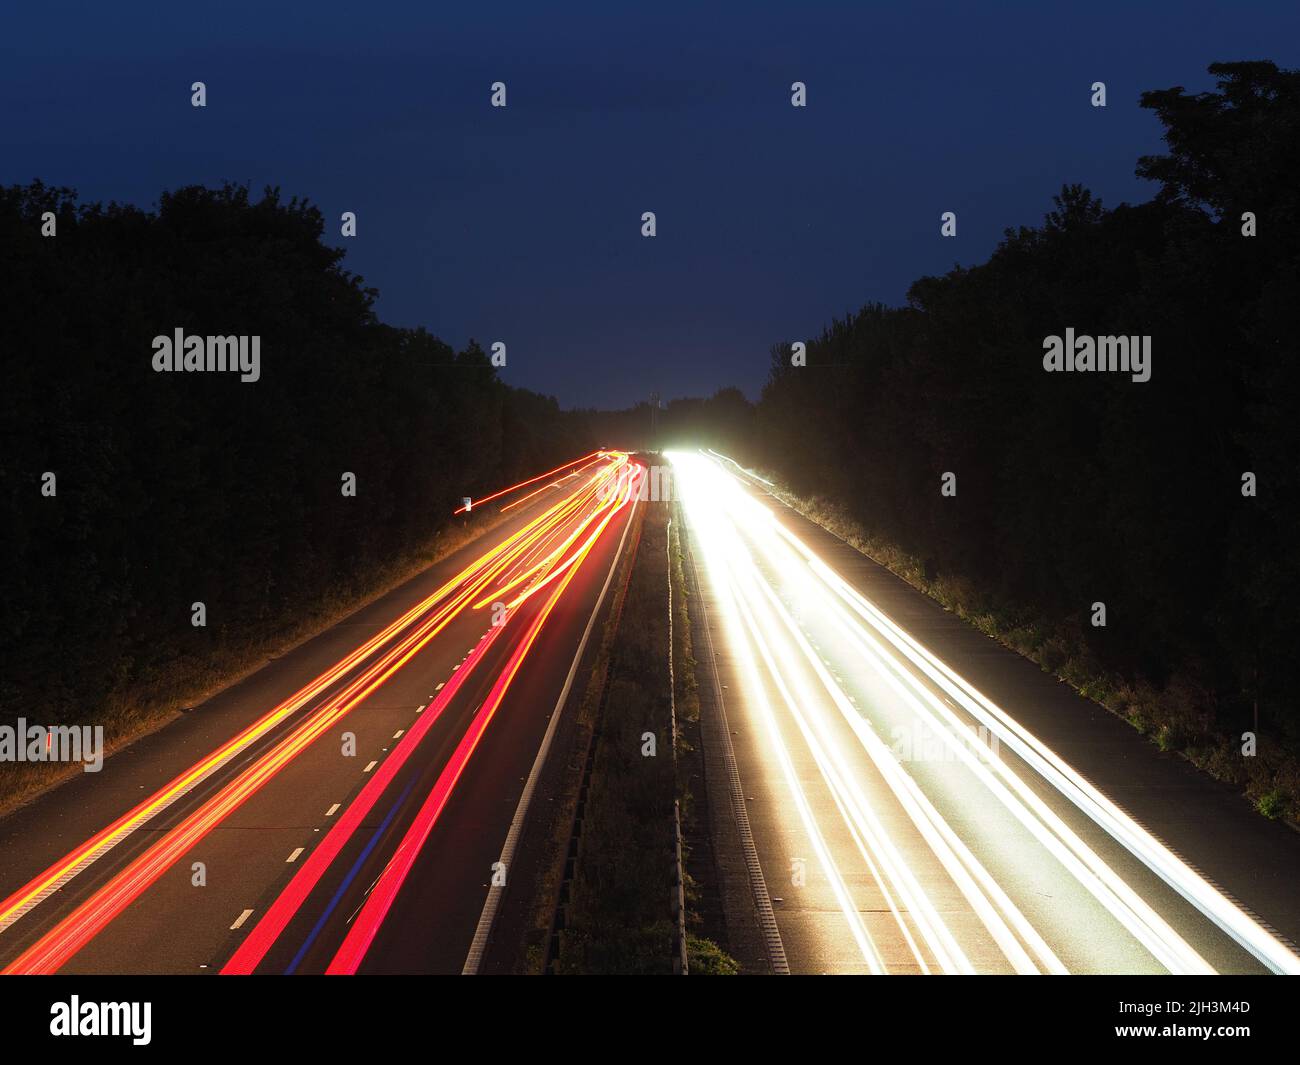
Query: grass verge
{"type": "Point", "coordinates": [617, 916]}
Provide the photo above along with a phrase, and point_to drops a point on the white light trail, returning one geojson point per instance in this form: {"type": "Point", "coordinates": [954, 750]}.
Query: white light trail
{"type": "Point", "coordinates": [745, 551]}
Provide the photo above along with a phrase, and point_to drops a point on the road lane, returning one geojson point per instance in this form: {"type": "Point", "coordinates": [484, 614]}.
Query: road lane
{"type": "Point", "coordinates": [174, 925]}
{"type": "Point", "coordinates": [435, 912]}
{"type": "Point", "coordinates": [885, 741]}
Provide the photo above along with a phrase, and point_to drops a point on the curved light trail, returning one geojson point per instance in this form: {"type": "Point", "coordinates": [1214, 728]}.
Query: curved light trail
{"type": "Point", "coordinates": [361, 673]}
{"type": "Point", "coordinates": [772, 589]}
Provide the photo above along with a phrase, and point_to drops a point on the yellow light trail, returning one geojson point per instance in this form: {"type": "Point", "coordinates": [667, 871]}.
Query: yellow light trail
{"type": "Point", "coordinates": [53, 949]}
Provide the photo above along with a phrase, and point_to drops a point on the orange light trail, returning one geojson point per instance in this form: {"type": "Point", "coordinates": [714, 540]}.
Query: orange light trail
{"type": "Point", "coordinates": [56, 947]}
{"type": "Point", "coordinates": [277, 917]}
{"type": "Point", "coordinates": [525, 484]}
{"type": "Point", "coordinates": [384, 892]}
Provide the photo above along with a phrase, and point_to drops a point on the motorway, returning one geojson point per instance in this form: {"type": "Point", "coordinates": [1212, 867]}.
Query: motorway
{"type": "Point", "coordinates": [908, 822]}
{"type": "Point", "coordinates": [344, 808]}
{"type": "Point", "coordinates": [918, 799]}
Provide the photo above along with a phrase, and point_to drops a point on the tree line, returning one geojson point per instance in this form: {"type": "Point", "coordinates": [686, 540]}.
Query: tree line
{"type": "Point", "coordinates": [130, 495]}
{"type": "Point", "coordinates": [1174, 501]}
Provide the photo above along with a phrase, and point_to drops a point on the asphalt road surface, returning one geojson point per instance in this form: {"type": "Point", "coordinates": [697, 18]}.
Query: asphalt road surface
{"type": "Point", "coordinates": [342, 808]}
{"type": "Point", "coordinates": [922, 800]}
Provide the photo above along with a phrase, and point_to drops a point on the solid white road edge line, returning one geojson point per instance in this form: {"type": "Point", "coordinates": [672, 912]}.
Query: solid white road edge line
{"type": "Point", "coordinates": [478, 945]}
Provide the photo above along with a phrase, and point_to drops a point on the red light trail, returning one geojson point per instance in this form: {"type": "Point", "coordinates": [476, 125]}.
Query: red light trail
{"type": "Point", "coordinates": [412, 632]}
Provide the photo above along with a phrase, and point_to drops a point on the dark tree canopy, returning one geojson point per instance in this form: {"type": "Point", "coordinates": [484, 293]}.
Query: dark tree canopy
{"type": "Point", "coordinates": [177, 488]}
{"type": "Point", "coordinates": [1081, 488]}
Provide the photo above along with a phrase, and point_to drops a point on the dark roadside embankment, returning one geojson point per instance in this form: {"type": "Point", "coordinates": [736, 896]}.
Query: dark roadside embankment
{"type": "Point", "coordinates": [603, 901]}
{"type": "Point", "coordinates": [280, 502]}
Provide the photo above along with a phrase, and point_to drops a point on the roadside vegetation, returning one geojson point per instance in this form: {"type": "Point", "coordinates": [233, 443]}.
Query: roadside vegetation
{"type": "Point", "coordinates": [1172, 501]}
{"type": "Point", "coordinates": [1172, 717]}
{"type": "Point", "coordinates": [619, 917]}
{"type": "Point", "coordinates": [176, 488]}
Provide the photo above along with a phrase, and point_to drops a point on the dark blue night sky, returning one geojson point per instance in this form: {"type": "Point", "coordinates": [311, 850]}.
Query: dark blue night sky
{"type": "Point", "coordinates": [523, 224]}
